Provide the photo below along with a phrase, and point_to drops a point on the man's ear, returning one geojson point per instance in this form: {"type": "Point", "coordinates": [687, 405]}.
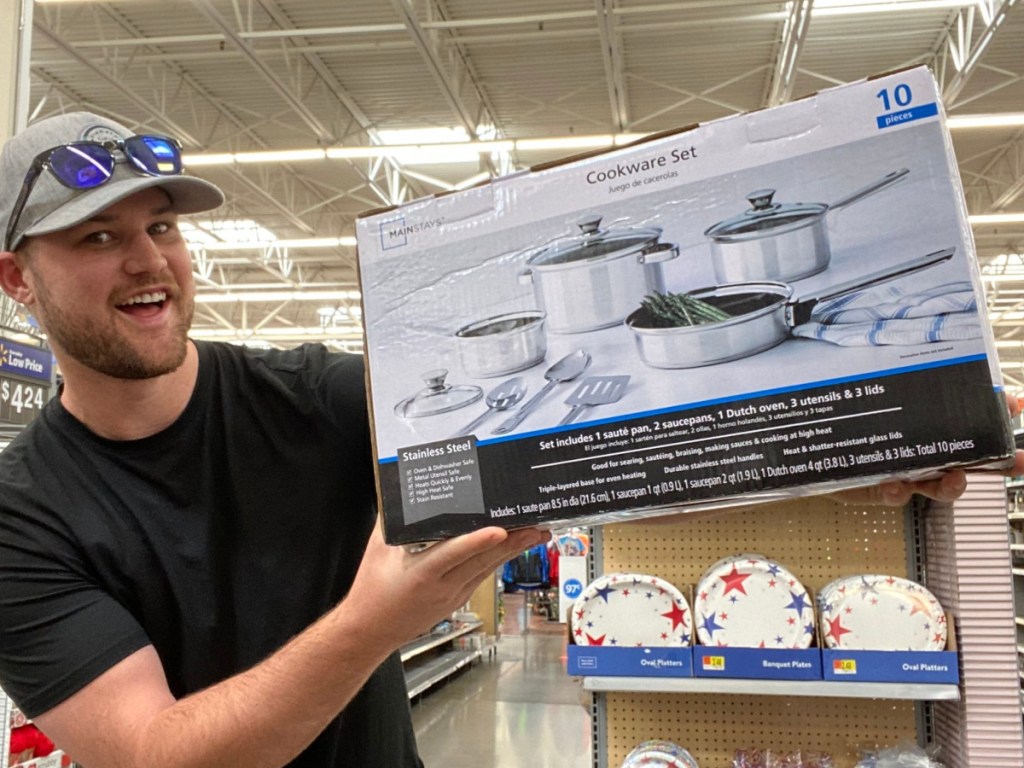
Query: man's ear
{"type": "Point", "coordinates": [12, 279]}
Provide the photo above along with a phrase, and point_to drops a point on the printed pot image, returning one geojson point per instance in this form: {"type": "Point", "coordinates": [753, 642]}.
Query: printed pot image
{"type": "Point", "coordinates": [594, 279]}
{"type": "Point", "coordinates": [780, 241]}
{"type": "Point", "coordinates": [761, 315]}
{"type": "Point", "coordinates": [502, 344]}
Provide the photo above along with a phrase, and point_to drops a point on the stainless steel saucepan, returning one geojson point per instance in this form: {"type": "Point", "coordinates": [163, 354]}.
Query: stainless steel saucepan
{"type": "Point", "coordinates": [502, 344]}
{"type": "Point", "coordinates": [780, 241]}
{"type": "Point", "coordinates": [762, 315]}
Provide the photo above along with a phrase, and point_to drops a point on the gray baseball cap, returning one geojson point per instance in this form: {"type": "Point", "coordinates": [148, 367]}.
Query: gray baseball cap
{"type": "Point", "coordinates": [52, 206]}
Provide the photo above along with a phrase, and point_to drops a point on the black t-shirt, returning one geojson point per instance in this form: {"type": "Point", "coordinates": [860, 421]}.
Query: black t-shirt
{"type": "Point", "coordinates": [217, 540]}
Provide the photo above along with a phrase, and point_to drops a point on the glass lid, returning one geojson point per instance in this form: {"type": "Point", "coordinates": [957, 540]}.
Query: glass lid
{"type": "Point", "coordinates": [595, 243]}
{"type": "Point", "coordinates": [766, 217]}
{"type": "Point", "coordinates": [437, 397]}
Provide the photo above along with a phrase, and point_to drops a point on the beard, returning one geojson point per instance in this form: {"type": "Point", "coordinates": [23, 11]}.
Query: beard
{"type": "Point", "coordinates": [104, 349]}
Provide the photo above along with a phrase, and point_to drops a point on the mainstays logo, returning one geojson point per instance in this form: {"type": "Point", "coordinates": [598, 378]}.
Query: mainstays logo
{"type": "Point", "coordinates": [23, 361]}
{"type": "Point", "coordinates": [395, 233]}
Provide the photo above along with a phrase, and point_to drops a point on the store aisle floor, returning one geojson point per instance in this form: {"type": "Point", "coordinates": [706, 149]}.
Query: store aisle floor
{"type": "Point", "coordinates": [517, 709]}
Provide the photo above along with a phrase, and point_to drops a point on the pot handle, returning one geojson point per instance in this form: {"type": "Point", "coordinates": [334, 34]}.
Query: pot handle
{"type": "Point", "coordinates": [658, 253]}
{"type": "Point", "coordinates": [876, 186]}
{"type": "Point", "coordinates": [800, 311]}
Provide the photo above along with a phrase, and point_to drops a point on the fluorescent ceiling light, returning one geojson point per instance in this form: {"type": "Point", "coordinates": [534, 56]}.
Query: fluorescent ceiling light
{"type": "Point", "coordinates": [228, 297]}
{"type": "Point", "coordinates": [211, 233]}
{"type": "Point", "coordinates": [262, 245]}
{"type": "Point", "coordinates": [425, 152]}
{"type": "Point", "coordinates": [566, 142]}
{"type": "Point", "coordinates": [280, 156]}
{"type": "Point", "coordinates": [850, 7]}
{"type": "Point", "coordinates": [310, 333]}
{"type": "Point", "coordinates": [1008, 120]}
{"type": "Point", "coordinates": [996, 218]}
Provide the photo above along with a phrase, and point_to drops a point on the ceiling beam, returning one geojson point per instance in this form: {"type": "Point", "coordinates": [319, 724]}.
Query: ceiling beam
{"type": "Point", "coordinates": [614, 68]}
{"type": "Point", "coordinates": [287, 93]}
{"type": "Point", "coordinates": [967, 53]}
{"type": "Point", "coordinates": [794, 33]}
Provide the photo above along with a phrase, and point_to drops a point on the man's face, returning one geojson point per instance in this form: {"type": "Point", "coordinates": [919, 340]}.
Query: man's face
{"type": "Point", "coordinates": [115, 293]}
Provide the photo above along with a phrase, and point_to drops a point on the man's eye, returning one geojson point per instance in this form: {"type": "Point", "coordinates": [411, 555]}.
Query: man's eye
{"type": "Point", "coordinates": [160, 228]}
{"type": "Point", "coordinates": [99, 237]}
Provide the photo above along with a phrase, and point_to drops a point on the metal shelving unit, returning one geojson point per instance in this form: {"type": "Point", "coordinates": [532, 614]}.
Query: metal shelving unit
{"type": "Point", "coordinates": [913, 692]}
{"type": "Point", "coordinates": [436, 658]}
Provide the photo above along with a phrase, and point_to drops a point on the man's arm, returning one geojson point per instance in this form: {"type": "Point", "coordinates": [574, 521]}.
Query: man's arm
{"type": "Point", "coordinates": [265, 716]}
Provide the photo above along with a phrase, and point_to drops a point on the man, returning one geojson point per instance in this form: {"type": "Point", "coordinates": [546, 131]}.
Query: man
{"type": "Point", "coordinates": [190, 571]}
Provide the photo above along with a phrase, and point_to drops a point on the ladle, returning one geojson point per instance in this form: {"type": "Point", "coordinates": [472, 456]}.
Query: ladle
{"type": "Point", "coordinates": [501, 398]}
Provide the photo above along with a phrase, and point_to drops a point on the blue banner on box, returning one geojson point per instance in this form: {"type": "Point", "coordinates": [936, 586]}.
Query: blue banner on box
{"type": "Point", "coordinates": [757, 663]}
{"type": "Point", "coordinates": [891, 666]}
{"type": "Point", "coordinates": [606, 661]}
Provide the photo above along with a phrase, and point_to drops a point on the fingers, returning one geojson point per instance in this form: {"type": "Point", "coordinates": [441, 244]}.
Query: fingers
{"type": "Point", "coordinates": [473, 562]}
{"type": "Point", "coordinates": [1014, 404]}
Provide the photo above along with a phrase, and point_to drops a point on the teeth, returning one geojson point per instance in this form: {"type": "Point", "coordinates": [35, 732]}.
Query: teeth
{"type": "Point", "coordinates": [147, 298]}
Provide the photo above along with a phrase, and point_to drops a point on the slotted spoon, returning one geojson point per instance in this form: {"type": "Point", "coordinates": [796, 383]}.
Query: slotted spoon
{"type": "Point", "coordinates": [594, 390]}
{"type": "Point", "coordinates": [501, 398]}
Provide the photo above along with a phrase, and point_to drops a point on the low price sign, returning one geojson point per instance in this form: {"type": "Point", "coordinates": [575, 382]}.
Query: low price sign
{"type": "Point", "coordinates": [25, 377]}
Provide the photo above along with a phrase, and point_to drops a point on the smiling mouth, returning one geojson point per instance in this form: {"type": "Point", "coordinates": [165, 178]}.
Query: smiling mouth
{"type": "Point", "coordinates": [145, 304]}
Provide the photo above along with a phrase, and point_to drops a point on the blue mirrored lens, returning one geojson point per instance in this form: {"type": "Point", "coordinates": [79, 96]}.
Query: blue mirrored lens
{"type": "Point", "coordinates": [154, 155]}
{"type": "Point", "coordinates": [82, 166]}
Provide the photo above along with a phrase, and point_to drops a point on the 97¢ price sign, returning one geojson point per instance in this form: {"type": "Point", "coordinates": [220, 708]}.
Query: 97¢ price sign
{"type": "Point", "coordinates": [20, 401]}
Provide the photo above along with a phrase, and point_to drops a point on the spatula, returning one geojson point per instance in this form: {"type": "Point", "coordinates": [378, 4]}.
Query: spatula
{"type": "Point", "coordinates": [594, 390]}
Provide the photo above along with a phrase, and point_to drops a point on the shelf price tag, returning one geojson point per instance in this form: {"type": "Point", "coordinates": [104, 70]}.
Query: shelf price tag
{"type": "Point", "coordinates": [844, 667]}
{"type": "Point", "coordinates": [713, 663]}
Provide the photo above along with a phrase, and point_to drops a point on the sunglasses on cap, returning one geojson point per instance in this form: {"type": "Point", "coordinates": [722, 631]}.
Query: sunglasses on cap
{"type": "Point", "coordinates": [85, 165]}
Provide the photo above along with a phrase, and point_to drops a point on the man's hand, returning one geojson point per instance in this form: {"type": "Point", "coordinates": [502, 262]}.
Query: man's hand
{"type": "Point", "coordinates": [948, 487]}
{"type": "Point", "coordinates": [405, 593]}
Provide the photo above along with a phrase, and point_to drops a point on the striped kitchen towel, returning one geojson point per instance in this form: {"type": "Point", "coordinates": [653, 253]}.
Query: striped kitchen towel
{"type": "Point", "coordinates": [890, 315]}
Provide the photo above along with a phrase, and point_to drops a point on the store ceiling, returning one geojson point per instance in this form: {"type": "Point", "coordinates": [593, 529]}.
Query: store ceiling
{"type": "Point", "coordinates": [312, 74]}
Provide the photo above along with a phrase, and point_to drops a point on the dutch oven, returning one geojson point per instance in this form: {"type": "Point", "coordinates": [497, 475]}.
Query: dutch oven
{"type": "Point", "coordinates": [595, 278]}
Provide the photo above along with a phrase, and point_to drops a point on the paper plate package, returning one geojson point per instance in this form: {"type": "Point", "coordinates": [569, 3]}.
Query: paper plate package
{"type": "Point", "coordinates": [768, 305]}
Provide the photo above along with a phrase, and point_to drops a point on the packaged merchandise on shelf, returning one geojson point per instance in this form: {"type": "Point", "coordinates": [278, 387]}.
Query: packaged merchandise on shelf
{"type": "Point", "coordinates": [630, 625]}
{"type": "Point", "coordinates": [754, 619]}
{"type": "Point", "coordinates": [886, 629]}
{"type": "Point", "coordinates": [659, 753]}
{"type": "Point", "coordinates": [623, 335]}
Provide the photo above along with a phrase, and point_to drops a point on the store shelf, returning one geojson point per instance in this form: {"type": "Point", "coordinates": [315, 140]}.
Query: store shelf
{"type": "Point", "coordinates": [1015, 516]}
{"type": "Point", "coordinates": [1018, 571]}
{"type": "Point", "coordinates": [918, 692]}
{"type": "Point", "coordinates": [422, 677]}
{"type": "Point", "coordinates": [433, 640]}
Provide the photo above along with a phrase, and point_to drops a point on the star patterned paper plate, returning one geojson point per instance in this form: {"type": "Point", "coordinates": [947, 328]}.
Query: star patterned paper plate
{"type": "Point", "coordinates": [881, 613]}
{"type": "Point", "coordinates": [631, 610]}
{"type": "Point", "coordinates": [749, 601]}
{"type": "Point", "coordinates": [659, 753]}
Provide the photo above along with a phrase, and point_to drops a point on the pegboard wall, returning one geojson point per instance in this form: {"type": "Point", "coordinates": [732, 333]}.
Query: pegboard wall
{"type": "Point", "coordinates": [817, 540]}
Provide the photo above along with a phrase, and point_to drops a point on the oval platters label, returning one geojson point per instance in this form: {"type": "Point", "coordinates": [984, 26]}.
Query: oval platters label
{"type": "Point", "coordinates": [874, 612]}
{"type": "Point", "coordinates": [750, 601]}
{"type": "Point", "coordinates": [631, 610]}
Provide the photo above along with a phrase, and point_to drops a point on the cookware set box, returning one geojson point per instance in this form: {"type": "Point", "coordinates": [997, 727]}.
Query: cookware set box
{"type": "Point", "coordinates": [768, 305]}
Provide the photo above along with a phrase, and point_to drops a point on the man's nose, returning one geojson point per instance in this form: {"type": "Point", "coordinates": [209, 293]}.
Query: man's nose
{"type": "Point", "coordinates": [144, 255]}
